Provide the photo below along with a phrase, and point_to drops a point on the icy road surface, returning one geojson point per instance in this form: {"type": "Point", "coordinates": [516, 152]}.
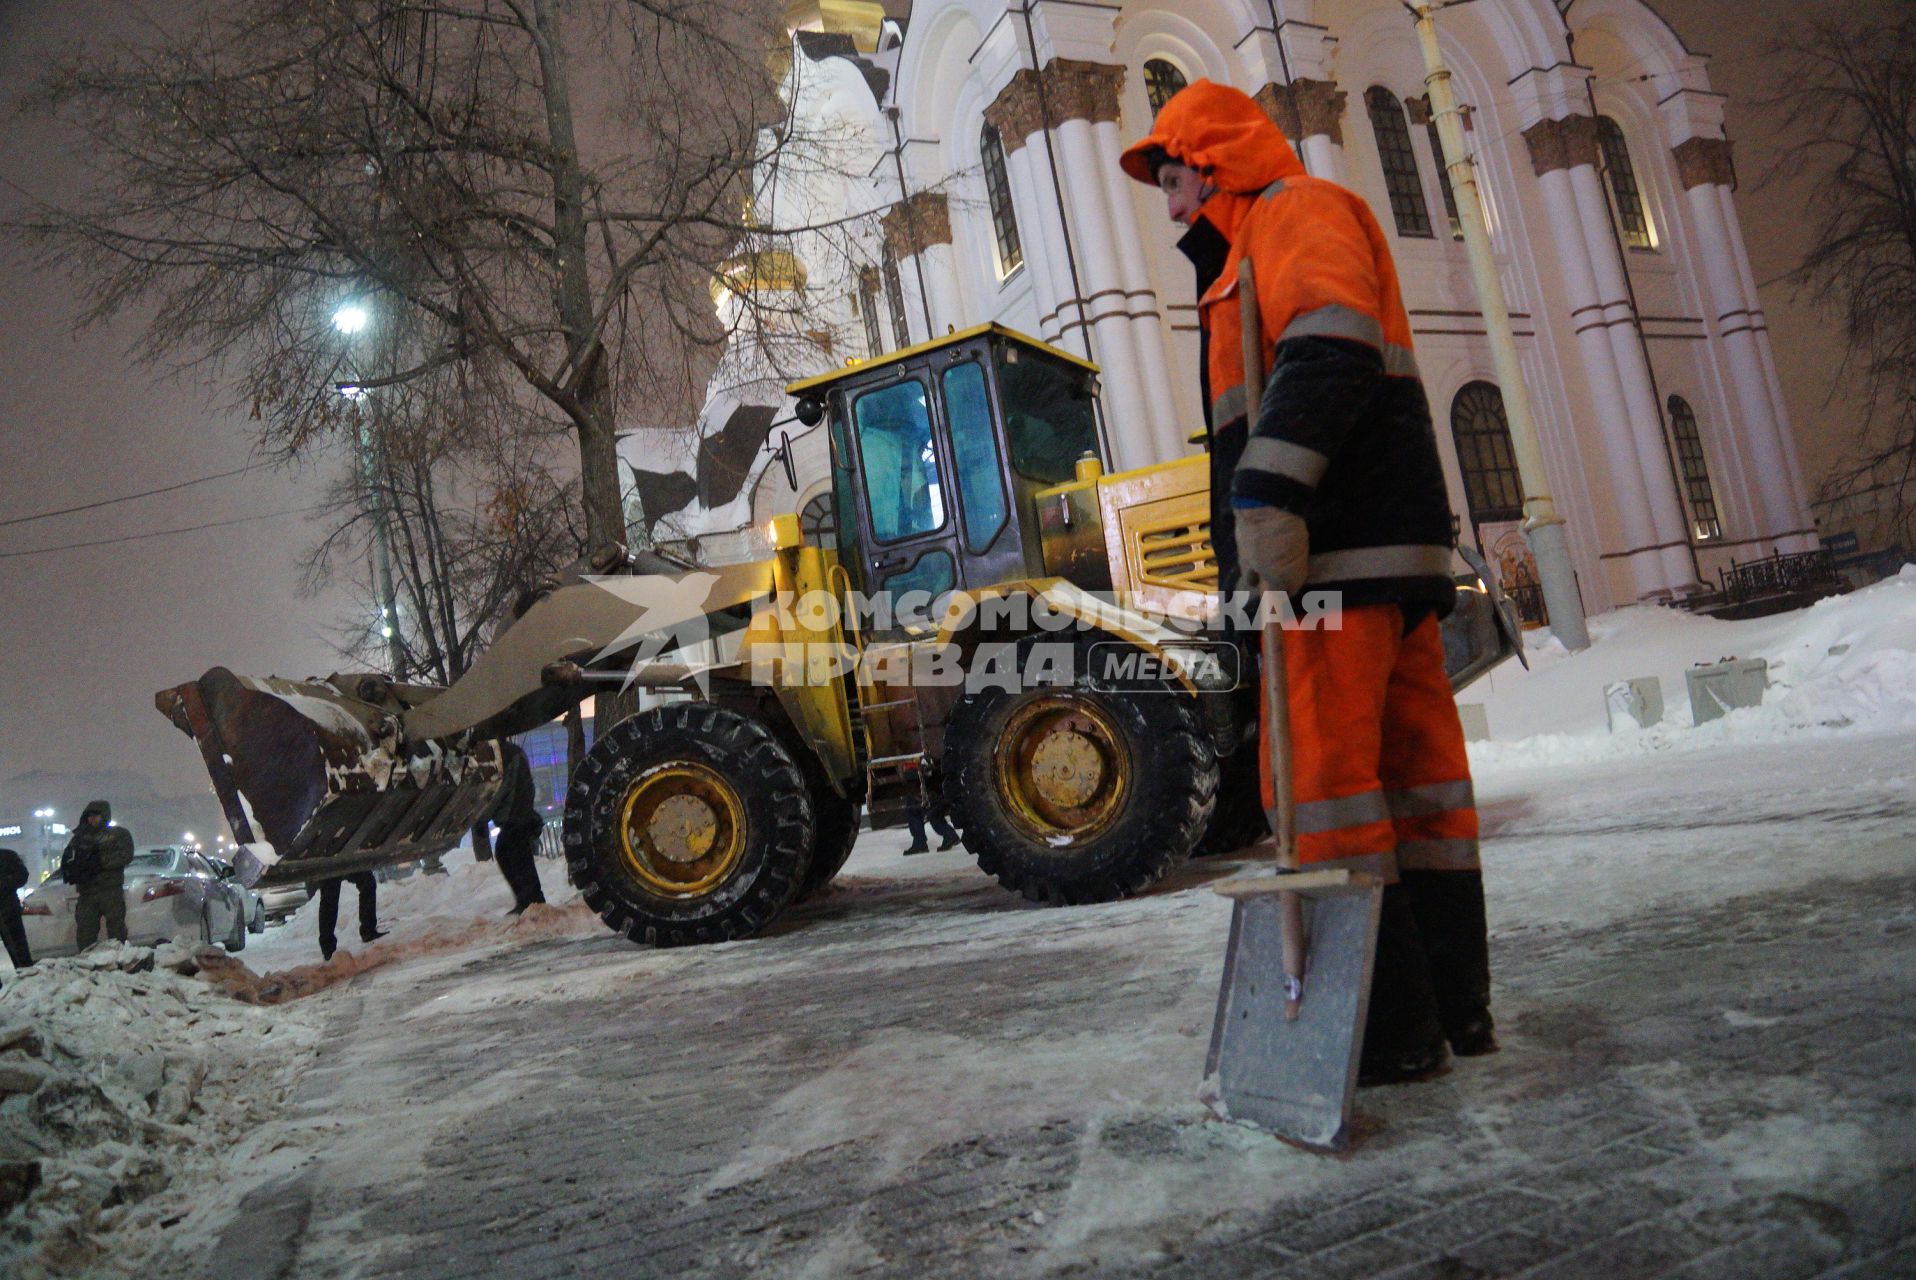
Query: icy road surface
{"type": "Point", "coordinates": [1704, 946]}
{"type": "Point", "coordinates": [1704, 970]}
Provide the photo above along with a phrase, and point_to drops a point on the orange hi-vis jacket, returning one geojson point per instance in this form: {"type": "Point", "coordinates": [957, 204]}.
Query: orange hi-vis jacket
{"type": "Point", "coordinates": [1343, 436]}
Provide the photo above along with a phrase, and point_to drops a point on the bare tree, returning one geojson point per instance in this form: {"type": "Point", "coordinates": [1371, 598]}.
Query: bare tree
{"type": "Point", "coordinates": [536, 192]}
{"type": "Point", "coordinates": [1851, 85]}
{"type": "Point", "coordinates": [475, 513]}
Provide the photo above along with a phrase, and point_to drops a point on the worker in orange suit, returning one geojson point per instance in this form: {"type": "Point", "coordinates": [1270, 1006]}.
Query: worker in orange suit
{"type": "Point", "coordinates": [1333, 483]}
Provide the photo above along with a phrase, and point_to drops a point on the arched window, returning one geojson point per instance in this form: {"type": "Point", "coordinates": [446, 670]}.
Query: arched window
{"type": "Point", "coordinates": [1485, 454]}
{"type": "Point", "coordinates": [1161, 80]}
{"type": "Point", "coordinates": [818, 523]}
{"type": "Point", "coordinates": [1696, 471]}
{"type": "Point", "coordinates": [1624, 191]}
{"type": "Point", "coordinates": [1004, 220]}
{"type": "Point", "coordinates": [895, 300]}
{"type": "Point", "coordinates": [1401, 179]}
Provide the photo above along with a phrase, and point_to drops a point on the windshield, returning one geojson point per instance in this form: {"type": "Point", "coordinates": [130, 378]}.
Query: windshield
{"type": "Point", "coordinates": [1048, 415]}
{"type": "Point", "coordinates": [901, 463]}
{"type": "Point", "coordinates": [154, 862]}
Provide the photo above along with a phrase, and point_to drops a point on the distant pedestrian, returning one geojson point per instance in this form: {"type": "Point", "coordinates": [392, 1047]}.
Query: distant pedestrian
{"type": "Point", "coordinates": [329, 910]}
{"type": "Point", "coordinates": [517, 812]}
{"type": "Point", "coordinates": [922, 805]}
{"type": "Point", "coordinates": [13, 929]}
{"type": "Point", "coordinates": [94, 863]}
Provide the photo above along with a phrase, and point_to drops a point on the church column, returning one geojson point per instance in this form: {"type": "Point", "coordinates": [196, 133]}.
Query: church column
{"type": "Point", "coordinates": [1555, 146]}
{"type": "Point", "coordinates": [1014, 115]}
{"type": "Point", "coordinates": [1311, 114]}
{"type": "Point", "coordinates": [1076, 94]}
{"type": "Point", "coordinates": [917, 232]}
{"type": "Point", "coordinates": [1570, 144]}
{"type": "Point", "coordinates": [1704, 166]}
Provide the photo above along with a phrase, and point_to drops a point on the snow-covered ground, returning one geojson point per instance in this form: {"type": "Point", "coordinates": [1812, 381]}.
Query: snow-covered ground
{"type": "Point", "coordinates": [1845, 664]}
{"type": "Point", "coordinates": [1594, 837]}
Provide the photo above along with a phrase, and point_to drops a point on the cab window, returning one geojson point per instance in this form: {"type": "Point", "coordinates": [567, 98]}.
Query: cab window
{"type": "Point", "coordinates": [1048, 416]}
{"type": "Point", "coordinates": [974, 454]}
{"type": "Point", "coordinates": [900, 462]}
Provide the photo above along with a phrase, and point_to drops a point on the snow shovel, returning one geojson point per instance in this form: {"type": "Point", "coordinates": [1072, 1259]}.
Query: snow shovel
{"type": "Point", "coordinates": [1297, 970]}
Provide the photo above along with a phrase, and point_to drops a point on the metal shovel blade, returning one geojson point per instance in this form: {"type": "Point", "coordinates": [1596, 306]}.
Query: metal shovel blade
{"type": "Point", "coordinates": [1294, 1078]}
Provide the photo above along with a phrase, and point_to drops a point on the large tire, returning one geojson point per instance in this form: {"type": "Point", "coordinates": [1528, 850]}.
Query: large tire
{"type": "Point", "coordinates": [1069, 794]}
{"type": "Point", "coordinates": [1238, 821]}
{"type": "Point", "coordinates": [835, 821]}
{"type": "Point", "coordinates": [687, 824]}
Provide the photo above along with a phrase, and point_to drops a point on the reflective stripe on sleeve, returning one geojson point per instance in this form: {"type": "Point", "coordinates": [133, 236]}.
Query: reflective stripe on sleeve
{"type": "Point", "coordinates": [1228, 407]}
{"type": "Point", "coordinates": [1336, 321]}
{"type": "Point", "coordinates": [1281, 457]}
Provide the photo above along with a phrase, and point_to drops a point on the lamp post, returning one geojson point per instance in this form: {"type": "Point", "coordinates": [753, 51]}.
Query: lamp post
{"type": "Point", "coordinates": [1542, 526]}
{"type": "Point", "coordinates": [351, 319]}
{"type": "Point", "coordinates": [45, 818]}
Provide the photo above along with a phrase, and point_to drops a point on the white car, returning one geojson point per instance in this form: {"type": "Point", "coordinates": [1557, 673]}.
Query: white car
{"type": "Point", "coordinates": [171, 892]}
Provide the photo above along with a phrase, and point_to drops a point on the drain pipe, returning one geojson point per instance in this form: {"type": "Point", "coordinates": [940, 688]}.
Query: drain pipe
{"type": "Point", "coordinates": [1542, 526]}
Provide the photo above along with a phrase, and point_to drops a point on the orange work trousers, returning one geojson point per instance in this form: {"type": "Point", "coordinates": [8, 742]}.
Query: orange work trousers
{"type": "Point", "coordinates": [1377, 753]}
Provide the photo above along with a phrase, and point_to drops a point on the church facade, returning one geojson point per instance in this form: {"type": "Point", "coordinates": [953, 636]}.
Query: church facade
{"type": "Point", "coordinates": [982, 136]}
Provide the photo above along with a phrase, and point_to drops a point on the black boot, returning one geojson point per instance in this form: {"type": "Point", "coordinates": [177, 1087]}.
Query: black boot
{"type": "Point", "coordinates": [1449, 907]}
{"type": "Point", "coordinates": [1403, 1037]}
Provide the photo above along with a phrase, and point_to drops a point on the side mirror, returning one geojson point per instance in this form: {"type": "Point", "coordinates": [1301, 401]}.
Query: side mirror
{"type": "Point", "coordinates": [785, 456]}
{"type": "Point", "coordinates": [810, 411]}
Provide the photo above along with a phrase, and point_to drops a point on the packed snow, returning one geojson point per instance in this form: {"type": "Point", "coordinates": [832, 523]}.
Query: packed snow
{"type": "Point", "coordinates": [126, 1086]}
{"type": "Point", "coordinates": [1844, 664]}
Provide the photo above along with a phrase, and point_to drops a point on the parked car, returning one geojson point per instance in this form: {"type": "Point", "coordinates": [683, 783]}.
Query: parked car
{"type": "Point", "coordinates": [278, 903]}
{"type": "Point", "coordinates": [171, 892]}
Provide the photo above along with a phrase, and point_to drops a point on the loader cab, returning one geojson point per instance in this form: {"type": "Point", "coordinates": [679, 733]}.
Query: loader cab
{"type": "Point", "coordinates": [937, 453]}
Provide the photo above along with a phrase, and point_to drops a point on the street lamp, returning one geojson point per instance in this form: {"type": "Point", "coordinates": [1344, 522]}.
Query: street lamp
{"type": "Point", "coordinates": [350, 319]}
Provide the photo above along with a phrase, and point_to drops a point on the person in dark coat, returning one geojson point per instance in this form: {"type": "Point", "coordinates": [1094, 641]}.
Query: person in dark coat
{"type": "Point", "coordinates": [516, 810]}
{"type": "Point", "coordinates": [329, 910]}
{"type": "Point", "coordinates": [94, 863]}
{"type": "Point", "coordinates": [13, 929]}
{"type": "Point", "coordinates": [928, 803]}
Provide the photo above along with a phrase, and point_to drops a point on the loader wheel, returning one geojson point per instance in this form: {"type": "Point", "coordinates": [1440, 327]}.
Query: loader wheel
{"type": "Point", "coordinates": [1068, 794]}
{"type": "Point", "coordinates": [835, 822]}
{"type": "Point", "coordinates": [1237, 822]}
{"type": "Point", "coordinates": [688, 823]}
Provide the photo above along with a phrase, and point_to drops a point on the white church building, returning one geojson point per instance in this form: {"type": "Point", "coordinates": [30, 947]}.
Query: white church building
{"type": "Point", "coordinates": [983, 136]}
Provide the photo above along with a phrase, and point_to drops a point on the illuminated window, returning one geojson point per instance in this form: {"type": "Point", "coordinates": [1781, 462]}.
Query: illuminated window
{"type": "Point", "coordinates": [1485, 455]}
{"type": "Point", "coordinates": [1696, 471]}
{"type": "Point", "coordinates": [1394, 151]}
{"type": "Point", "coordinates": [1624, 191]}
{"type": "Point", "coordinates": [1161, 80]}
{"type": "Point", "coordinates": [1004, 220]}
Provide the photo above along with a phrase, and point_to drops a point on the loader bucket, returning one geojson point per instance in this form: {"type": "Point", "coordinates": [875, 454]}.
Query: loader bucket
{"type": "Point", "coordinates": [316, 773]}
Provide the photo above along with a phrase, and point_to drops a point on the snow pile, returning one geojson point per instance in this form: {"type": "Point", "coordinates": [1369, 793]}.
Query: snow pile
{"type": "Point", "coordinates": [124, 1083]}
{"type": "Point", "coordinates": [1844, 664]}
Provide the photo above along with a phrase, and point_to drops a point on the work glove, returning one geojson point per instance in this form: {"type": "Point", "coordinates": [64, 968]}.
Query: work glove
{"type": "Point", "coordinates": [1273, 549]}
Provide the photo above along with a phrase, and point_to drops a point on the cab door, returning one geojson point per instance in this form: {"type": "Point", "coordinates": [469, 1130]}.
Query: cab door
{"type": "Point", "coordinates": [910, 523]}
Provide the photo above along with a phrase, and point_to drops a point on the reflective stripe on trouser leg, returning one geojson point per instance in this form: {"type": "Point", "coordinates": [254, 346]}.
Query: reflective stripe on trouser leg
{"type": "Point", "coordinates": [1423, 765]}
{"type": "Point", "coordinates": [1338, 681]}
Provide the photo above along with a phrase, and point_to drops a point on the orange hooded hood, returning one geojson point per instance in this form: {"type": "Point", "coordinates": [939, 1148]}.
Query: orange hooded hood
{"type": "Point", "coordinates": [1222, 133]}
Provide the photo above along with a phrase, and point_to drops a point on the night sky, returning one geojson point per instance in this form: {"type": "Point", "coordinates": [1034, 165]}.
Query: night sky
{"type": "Point", "coordinates": [87, 636]}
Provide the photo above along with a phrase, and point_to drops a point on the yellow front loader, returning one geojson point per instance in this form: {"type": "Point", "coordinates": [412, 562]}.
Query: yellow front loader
{"type": "Point", "coordinates": [993, 620]}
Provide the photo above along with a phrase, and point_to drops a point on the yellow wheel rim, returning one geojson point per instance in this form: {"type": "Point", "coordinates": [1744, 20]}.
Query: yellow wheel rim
{"type": "Point", "coordinates": [681, 829]}
{"type": "Point", "coordinates": [1063, 769]}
